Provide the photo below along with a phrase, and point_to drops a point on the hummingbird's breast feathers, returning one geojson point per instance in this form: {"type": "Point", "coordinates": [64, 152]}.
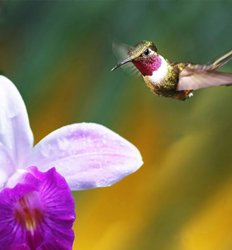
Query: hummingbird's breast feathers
{"type": "Point", "coordinates": [159, 75]}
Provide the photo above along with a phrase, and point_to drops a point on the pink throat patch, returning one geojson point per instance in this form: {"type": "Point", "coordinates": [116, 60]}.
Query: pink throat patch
{"type": "Point", "coordinates": [147, 66]}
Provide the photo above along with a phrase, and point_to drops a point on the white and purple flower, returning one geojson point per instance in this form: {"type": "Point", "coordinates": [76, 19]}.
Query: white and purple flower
{"type": "Point", "coordinates": [36, 206]}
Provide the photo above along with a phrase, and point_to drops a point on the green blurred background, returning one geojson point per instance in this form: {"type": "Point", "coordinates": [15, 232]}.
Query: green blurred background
{"type": "Point", "coordinates": [59, 55]}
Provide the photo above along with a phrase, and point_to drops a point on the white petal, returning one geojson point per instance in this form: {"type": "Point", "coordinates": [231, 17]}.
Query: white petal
{"type": "Point", "coordinates": [15, 131]}
{"type": "Point", "coordinates": [7, 167]}
{"type": "Point", "coordinates": [88, 155]}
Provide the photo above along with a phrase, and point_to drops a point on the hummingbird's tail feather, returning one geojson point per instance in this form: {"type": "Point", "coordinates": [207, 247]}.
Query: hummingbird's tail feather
{"type": "Point", "coordinates": [222, 60]}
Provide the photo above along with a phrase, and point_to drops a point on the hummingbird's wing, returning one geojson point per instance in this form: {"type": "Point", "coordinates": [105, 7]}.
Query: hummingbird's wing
{"type": "Point", "coordinates": [194, 77]}
{"type": "Point", "coordinates": [222, 60]}
{"type": "Point", "coordinates": [121, 52]}
{"type": "Point", "coordinates": [190, 80]}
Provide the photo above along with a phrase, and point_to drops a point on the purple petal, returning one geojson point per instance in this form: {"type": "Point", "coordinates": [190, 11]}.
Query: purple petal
{"type": "Point", "coordinates": [88, 155]}
{"type": "Point", "coordinates": [15, 131]}
{"type": "Point", "coordinates": [38, 213]}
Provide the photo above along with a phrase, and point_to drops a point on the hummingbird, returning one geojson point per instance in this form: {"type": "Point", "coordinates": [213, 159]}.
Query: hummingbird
{"type": "Point", "coordinates": [175, 80]}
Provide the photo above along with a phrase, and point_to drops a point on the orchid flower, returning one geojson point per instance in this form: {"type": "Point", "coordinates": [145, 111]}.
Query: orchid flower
{"type": "Point", "coordinates": [36, 206]}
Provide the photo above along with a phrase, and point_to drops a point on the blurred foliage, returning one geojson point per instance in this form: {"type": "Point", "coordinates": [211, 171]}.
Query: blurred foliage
{"type": "Point", "coordinates": [59, 55]}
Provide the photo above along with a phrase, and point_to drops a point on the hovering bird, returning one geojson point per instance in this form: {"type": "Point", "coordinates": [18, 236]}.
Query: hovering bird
{"type": "Point", "coordinates": [175, 80]}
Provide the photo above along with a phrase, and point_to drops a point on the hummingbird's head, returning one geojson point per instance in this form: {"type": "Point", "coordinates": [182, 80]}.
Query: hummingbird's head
{"type": "Point", "coordinates": [144, 57]}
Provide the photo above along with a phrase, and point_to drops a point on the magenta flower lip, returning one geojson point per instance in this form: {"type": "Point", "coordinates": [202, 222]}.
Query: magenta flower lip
{"type": "Point", "coordinates": [37, 213]}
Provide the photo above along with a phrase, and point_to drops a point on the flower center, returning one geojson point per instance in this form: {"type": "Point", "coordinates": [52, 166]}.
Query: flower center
{"type": "Point", "coordinates": [28, 211]}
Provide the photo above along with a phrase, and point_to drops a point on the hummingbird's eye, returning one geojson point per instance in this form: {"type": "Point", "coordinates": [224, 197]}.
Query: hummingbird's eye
{"type": "Point", "coordinates": [146, 52]}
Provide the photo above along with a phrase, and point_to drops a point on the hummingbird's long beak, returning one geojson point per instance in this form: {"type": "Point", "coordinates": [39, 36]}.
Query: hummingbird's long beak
{"type": "Point", "coordinates": [121, 63]}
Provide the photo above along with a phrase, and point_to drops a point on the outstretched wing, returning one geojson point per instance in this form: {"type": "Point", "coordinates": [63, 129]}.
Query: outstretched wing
{"type": "Point", "coordinates": [192, 79]}
{"type": "Point", "coordinates": [222, 60]}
